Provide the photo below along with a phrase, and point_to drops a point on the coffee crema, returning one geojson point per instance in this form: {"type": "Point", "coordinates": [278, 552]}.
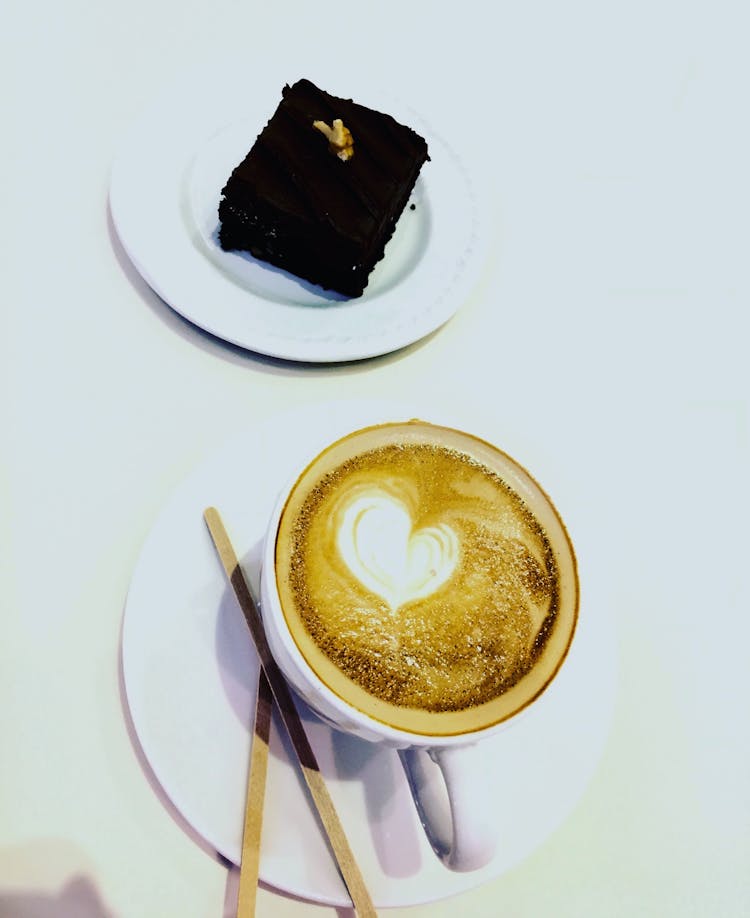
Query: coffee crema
{"type": "Point", "coordinates": [426, 578]}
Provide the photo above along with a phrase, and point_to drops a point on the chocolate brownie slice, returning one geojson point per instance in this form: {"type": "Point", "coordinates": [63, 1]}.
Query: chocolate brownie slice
{"type": "Point", "coordinates": [322, 188]}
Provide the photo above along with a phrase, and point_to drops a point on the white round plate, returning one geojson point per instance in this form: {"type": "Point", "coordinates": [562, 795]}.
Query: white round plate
{"type": "Point", "coordinates": [190, 674]}
{"type": "Point", "coordinates": [165, 190]}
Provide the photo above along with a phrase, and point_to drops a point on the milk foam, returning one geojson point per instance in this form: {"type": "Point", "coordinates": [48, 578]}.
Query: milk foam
{"type": "Point", "coordinates": [376, 538]}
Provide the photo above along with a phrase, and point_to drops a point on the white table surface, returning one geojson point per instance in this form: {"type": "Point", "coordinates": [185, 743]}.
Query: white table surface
{"type": "Point", "coordinates": [606, 339]}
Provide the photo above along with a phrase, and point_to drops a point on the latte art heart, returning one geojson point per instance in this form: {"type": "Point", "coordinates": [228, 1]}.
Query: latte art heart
{"type": "Point", "coordinates": [377, 540]}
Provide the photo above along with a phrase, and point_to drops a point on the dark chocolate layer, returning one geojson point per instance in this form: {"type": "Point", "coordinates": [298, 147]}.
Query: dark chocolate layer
{"type": "Point", "coordinates": [294, 203]}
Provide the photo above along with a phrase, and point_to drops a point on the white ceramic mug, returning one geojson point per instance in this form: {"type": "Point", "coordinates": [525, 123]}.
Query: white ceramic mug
{"type": "Point", "coordinates": [446, 773]}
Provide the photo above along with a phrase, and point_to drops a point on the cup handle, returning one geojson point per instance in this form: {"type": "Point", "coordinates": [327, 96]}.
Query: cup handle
{"type": "Point", "coordinates": [449, 789]}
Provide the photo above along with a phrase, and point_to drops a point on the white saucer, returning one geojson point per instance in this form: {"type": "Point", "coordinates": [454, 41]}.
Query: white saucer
{"type": "Point", "coordinates": [189, 673]}
{"type": "Point", "coordinates": [165, 190]}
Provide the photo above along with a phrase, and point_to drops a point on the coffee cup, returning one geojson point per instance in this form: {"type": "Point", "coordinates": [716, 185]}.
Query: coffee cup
{"type": "Point", "coordinates": [420, 590]}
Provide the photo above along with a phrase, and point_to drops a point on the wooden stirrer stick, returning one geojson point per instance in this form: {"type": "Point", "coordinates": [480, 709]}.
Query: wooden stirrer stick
{"type": "Point", "coordinates": [283, 697]}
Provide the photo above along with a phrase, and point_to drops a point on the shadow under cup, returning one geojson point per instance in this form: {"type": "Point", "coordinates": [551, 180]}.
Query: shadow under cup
{"type": "Point", "coordinates": [424, 587]}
